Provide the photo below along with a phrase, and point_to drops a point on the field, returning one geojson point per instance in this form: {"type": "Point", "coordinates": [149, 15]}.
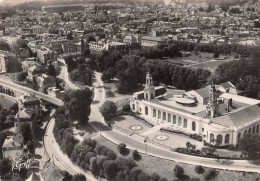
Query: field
{"type": "Point", "coordinates": [193, 59]}
{"type": "Point", "coordinates": [204, 60]}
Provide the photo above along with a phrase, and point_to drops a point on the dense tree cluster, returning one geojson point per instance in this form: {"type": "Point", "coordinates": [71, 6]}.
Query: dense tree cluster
{"type": "Point", "coordinates": [82, 74]}
{"type": "Point", "coordinates": [243, 73]}
{"type": "Point", "coordinates": [7, 117]}
{"type": "Point", "coordinates": [250, 145]}
{"type": "Point", "coordinates": [131, 69]}
{"type": "Point", "coordinates": [77, 104]}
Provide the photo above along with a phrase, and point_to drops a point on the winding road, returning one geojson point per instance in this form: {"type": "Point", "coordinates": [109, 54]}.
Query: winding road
{"type": "Point", "coordinates": [133, 142]}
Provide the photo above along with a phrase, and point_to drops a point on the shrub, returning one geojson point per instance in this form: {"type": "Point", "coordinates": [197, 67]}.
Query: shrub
{"type": "Point", "coordinates": [210, 174]}
{"type": "Point", "coordinates": [88, 156]}
{"type": "Point", "coordinates": [94, 168]}
{"type": "Point", "coordinates": [109, 93]}
{"type": "Point", "coordinates": [136, 155]}
{"type": "Point", "coordinates": [155, 177]}
{"type": "Point", "coordinates": [122, 148]}
{"type": "Point", "coordinates": [110, 168]}
{"type": "Point", "coordinates": [135, 172]}
{"type": "Point", "coordinates": [178, 170]}
{"type": "Point", "coordinates": [144, 177]}
{"type": "Point", "coordinates": [199, 169]}
{"type": "Point", "coordinates": [126, 108]}
{"type": "Point", "coordinates": [79, 177]}
{"type": "Point", "coordinates": [163, 179]}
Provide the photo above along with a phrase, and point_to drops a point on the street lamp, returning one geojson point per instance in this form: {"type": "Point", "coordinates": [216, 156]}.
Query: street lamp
{"type": "Point", "coordinates": [145, 141]}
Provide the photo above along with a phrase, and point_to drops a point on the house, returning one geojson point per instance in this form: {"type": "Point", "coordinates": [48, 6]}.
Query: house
{"type": "Point", "coordinates": [24, 116]}
{"type": "Point", "coordinates": [149, 41]}
{"type": "Point", "coordinates": [28, 63]}
{"type": "Point", "coordinates": [45, 55]}
{"type": "Point", "coordinates": [44, 82]}
{"type": "Point", "coordinates": [12, 146]}
{"type": "Point", "coordinates": [33, 72]}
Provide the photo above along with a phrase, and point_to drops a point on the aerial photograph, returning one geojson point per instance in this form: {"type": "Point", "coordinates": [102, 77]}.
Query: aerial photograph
{"type": "Point", "coordinates": [129, 90]}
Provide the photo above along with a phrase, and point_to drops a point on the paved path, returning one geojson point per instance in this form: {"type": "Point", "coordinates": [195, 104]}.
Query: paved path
{"type": "Point", "coordinates": [57, 157]}
{"type": "Point", "coordinates": [136, 142]}
{"type": "Point", "coordinates": [65, 75]}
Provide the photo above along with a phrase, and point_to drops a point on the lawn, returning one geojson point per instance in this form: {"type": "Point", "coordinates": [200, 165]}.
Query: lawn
{"type": "Point", "coordinates": [211, 66]}
{"type": "Point", "coordinates": [193, 59]}
{"type": "Point", "coordinates": [150, 164]}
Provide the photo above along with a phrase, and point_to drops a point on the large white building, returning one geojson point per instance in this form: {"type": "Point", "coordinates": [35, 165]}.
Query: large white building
{"type": "Point", "coordinates": [216, 113]}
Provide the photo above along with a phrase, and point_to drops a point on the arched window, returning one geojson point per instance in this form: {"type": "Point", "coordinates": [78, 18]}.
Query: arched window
{"type": "Point", "coordinates": [211, 137]}
{"type": "Point", "coordinates": [219, 139]}
{"type": "Point", "coordinates": [164, 116]}
{"type": "Point", "coordinates": [249, 131]}
{"type": "Point", "coordinates": [154, 112]}
{"type": "Point", "coordinates": [174, 119]}
{"type": "Point", "coordinates": [238, 136]}
{"type": "Point", "coordinates": [193, 126]}
{"type": "Point", "coordinates": [169, 117]}
{"type": "Point", "coordinates": [159, 114]}
{"type": "Point", "coordinates": [146, 110]}
{"type": "Point", "coordinates": [185, 123]}
{"type": "Point", "coordinates": [227, 139]}
{"type": "Point", "coordinates": [179, 121]}
{"type": "Point", "coordinates": [254, 129]}
{"type": "Point", "coordinates": [133, 106]}
{"type": "Point", "coordinates": [257, 128]}
{"type": "Point", "coordinates": [245, 132]}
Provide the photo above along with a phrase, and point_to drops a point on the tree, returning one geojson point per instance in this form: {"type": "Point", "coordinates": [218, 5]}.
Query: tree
{"type": "Point", "coordinates": [94, 168]}
{"type": "Point", "coordinates": [26, 132]}
{"type": "Point", "coordinates": [136, 155]}
{"type": "Point", "coordinates": [144, 177]}
{"type": "Point", "coordinates": [108, 110]}
{"type": "Point", "coordinates": [30, 146]}
{"type": "Point", "coordinates": [199, 169]}
{"type": "Point", "coordinates": [70, 36]}
{"type": "Point", "coordinates": [135, 172]}
{"type": "Point", "coordinates": [208, 150]}
{"type": "Point", "coordinates": [178, 171]}
{"type": "Point", "coordinates": [4, 46]}
{"type": "Point", "coordinates": [77, 104]}
{"type": "Point", "coordinates": [51, 71]}
{"type": "Point", "coordinates": [155, 177]}
{"type": "Point", "coordinates": [13, 65]}
{"type": "Point", "coordinates": [120, 176]}
{"type": "Point", "coordinates": [66, 176]}
{"type": "Point", "coordinates": [79, 177]}
{"type": "Point", "coordinates": [5, 168]}
{"type": "Point", "coordinates": [88, 156]}
{"type": "Point", "coordinates": [210, 174]}
{"type": "Point", "coordinates": [69, 60]}
{"type": "Point", "coordinates": [122, 148]}
{"type": "Point", "coordinates": [110, 168]}
{"type": "Point", "coordinates": [163, 179]}
{"type": "Point", "coordinates": [250, 145]}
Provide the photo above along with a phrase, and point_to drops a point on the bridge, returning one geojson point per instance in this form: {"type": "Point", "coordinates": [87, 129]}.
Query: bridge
{"type": "Point", "coordinates": [16, 90]}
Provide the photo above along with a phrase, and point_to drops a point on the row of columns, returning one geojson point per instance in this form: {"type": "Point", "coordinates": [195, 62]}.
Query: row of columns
{"type": "Point", "coordinates": [254, 129]}
{"type": "Point", "coordinates": [221, 139]}
{"type": "Point", "coordinates": [168, 117]}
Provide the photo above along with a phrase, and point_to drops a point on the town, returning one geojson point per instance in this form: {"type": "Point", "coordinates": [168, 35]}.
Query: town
{"type": "Point", "coordinates": [130, 91]}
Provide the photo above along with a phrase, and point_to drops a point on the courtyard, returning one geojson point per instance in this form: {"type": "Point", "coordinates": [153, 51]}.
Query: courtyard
{"type": "Point", "coordinates": [131, 124]}
{"type": "Point", "coordinates": [167, 139]}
